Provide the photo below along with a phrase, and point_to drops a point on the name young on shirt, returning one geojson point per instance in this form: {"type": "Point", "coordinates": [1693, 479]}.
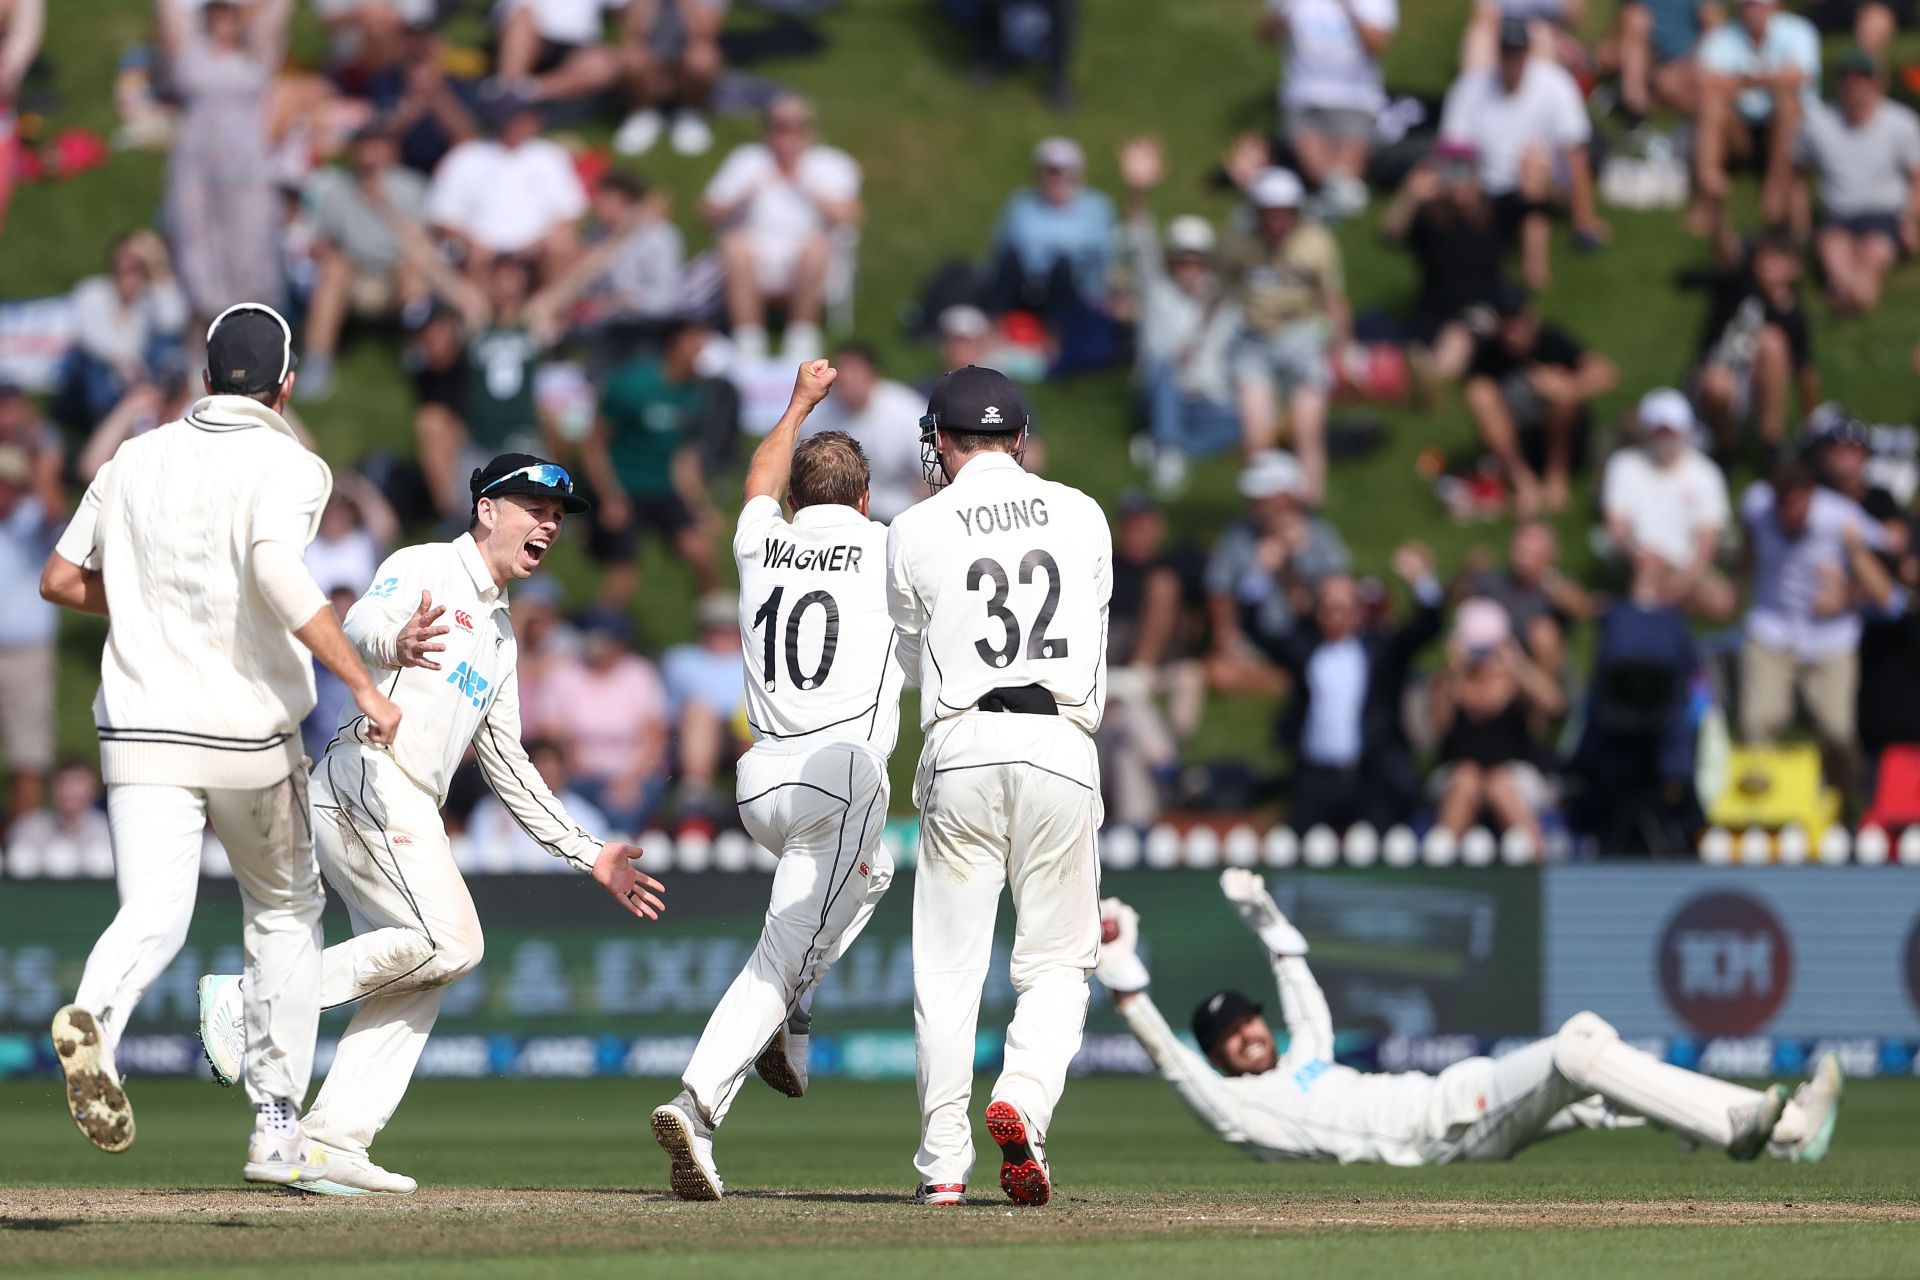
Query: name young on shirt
{"type": "Point", "coordinates": [780, 554]}
{"type": "Point", "coordinates": [1004, 517]}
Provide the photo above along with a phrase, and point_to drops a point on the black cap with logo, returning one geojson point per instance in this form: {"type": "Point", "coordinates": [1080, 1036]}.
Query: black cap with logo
{"type": "Point", "coordinates": [979, 400]}
{"type": "Point", "coordinates": [524, 473]}
{"type": "Point", "coordinates": [249, 350]}
{"type": "Point", "coordinates": [1218, 1014]}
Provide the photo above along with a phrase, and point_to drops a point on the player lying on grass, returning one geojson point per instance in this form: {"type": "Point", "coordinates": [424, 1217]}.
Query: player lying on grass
{"type": "Point", "coordinates": [1301, 1105]}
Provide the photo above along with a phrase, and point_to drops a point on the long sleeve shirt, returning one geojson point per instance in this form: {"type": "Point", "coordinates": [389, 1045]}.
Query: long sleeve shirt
{"type": "Point", "coordinates": [473, 698]}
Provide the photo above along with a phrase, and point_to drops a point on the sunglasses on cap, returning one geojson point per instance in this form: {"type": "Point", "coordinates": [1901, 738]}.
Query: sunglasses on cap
{"type": "Point", "coordinates": [548, 475]}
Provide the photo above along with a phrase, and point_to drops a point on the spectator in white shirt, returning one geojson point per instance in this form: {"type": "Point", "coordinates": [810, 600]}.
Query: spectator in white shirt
{"type": "Point", "coordinates": [1756, 69]}
{"type": "Point", "coordinates": [67, 840]}
{"type": "Point", "coordinates": [1666, 499]}
{"type": "Point", "coordinates": [1866, 155]}
{"type": "Point", "coordinates": [514, 193]}
{"type": "Point", "coordinates": [32, 509]}
{"type": "Point", "coordinates": [1528, 127]}
{"type": "Point", "coordinates": [125, 324]}
{"type": "Point", "coordinates": [875, 411]}
{"type": "Point", "coordinates": [1331, 91]}
{"type": "Point", "coordinates": [778, 206]}
{"type": "Point", "coordinates": [357, 529]}
{"type": "Point", "coordinates": [496, 844]}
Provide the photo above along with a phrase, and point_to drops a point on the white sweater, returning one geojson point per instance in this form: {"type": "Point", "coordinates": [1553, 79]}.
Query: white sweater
{"type": "Point", "coordinates": [201, 683]}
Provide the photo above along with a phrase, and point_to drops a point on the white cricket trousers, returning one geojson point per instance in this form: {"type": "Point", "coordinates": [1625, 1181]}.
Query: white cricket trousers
{"type": "Point", "coordinates": [384, 850]}
{"type": "Point", "coordinates": [268, 833]}
{"type": "Point", "coordinates": [1006, 800]}
{"type": "Point", "coordinates": [821, 811]}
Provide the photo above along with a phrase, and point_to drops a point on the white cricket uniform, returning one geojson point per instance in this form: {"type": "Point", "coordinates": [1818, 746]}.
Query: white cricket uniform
{"type": "Point", "coordinates": [1001, 581]}
{"type": "Point", "coordinates": [202, 691]}
{"type": "Point", "coordinates": [1309, 1107]}
{"type": "Point", "coordinates": [823, 704]}
{"type": "Point", "coordinates": [382, 843]}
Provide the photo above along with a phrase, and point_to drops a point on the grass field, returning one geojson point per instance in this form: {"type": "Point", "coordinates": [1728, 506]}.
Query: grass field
{"type": "Point", "coordinates": [560, 1178]}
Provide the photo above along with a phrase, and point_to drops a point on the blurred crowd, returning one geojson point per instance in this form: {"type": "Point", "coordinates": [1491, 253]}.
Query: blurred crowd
{"type": "Point", "coordinates": [1757, 560]}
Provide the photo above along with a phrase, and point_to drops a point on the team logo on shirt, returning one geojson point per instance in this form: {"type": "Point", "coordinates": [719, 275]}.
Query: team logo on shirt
{"type": "Point", "coordinates": [384, 587]}
{"type": "Point", "coordinates": [464, 619]}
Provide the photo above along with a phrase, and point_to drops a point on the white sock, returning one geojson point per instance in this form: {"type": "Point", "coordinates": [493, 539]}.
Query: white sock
{"type": "Point", "coordinates": [751, 341]}
{"type": "Point", "coordinates": [277, 1117]}
{"type": "Point", "coordinates": [1591, 1054]}
{"type": "Point", "coordinates": [802, 341]}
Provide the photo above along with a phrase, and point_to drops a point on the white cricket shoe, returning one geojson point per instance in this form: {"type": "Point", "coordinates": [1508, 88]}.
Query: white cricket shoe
{"type": "Point", "coordinates": [688, 1139]}
{"type": "Point", "coordinates": [691, 135]}
{"type": "Point", "coordinates": [783, 1063]}
{"type": "Point", "coordinates": [1024, 1175]}
{"type": "Point", "coordinates": [223, 1026]}
{"type": "Point", "coordinates": [941, 1195]}
{"type": "Point", "coordinates": [95, 1099]}
{"type": "Point", "coordinates": [1753, 1122]}
{"type": "Point", "coordinates": [639, 133]}
{"type": "Point", "coordinates": [350, 1173]}
{"type": "Point", "coordinates": [1819, 1103]}
{"type": "Point", "coordinates": [283, 1159]}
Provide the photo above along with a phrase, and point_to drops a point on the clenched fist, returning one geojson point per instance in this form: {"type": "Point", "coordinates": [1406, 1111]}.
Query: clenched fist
{"type": "Point", "coordinates": [813, 382]}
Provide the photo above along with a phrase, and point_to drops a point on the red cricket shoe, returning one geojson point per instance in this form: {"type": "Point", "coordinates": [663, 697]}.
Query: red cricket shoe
{"type": "Point", "coordinates": [1023, 1170]}
{"type": "Point", "coordinates": [941, 1194]}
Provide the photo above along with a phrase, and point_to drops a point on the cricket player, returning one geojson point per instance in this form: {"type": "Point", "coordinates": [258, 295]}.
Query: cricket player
{"type": "Point", "coordinates": [435, 623]}
{"type": "Point", "coordinates": [1301, 1105]}
{"type": "Point", "coordinates": [191, 541]}
{"type": "Point", "coordinates": [823, 704]}
{"type": "Point", "coordinates": [998, 585]}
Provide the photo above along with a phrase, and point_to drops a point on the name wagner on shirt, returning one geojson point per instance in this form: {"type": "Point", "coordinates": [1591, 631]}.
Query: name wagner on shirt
{"type": "Point", "coordinates": [781, 554]}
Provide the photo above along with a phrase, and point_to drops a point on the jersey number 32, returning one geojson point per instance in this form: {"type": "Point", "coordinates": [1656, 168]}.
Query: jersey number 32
{"type": "Point", "coordinates": [985, 571]}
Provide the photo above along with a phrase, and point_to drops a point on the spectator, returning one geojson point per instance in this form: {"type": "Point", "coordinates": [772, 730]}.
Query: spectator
{"type": "Point", "coordinates": [1802, 635]}
{"type": "Point", "coordinates": [1541, 602]}
{"type": "Point", "coordinates": [497, 844]}
{"type": "Point", "coordinates": [221, 208]}
{"type": "Point", "coordinates": [547, 642]}
{"type": "Point", "coordinates": [367, 37]}
{"type": "Point", "coordinates": [610, 713]}
{"type": "Point", "coordinates": [1053, 247]}
{"type": "Point", "coordinates": [674, 46]}
{"type": "Point", "coordinates": [1866, 157]}
{"type": "Point", "coordinates": [1489, 704]}
{"type": "Point", "coordinates": [1342, 724]}
{"type": "Point", "coordinates": [360, 264]}
{"type": "Point", "coordinates": [1331, 90]}
{"type": "Point", "coordinates": [1446, 221]}
{"type": "Point", "coordinates": [515, 193]}
{"type": "Point", "coordinates": [436, 363]}
{"type": "Point", "coordinates": [1665, 498]}
{"type": "Point", "coordinates": [874, 411]}
{"type": "Point", "coordinates": [1888, 708]}
{"type": "Point", "coordinates": [631, 278]}
{"type": "Point", "coordinates": [1530, 387]}
{"type": "Point", "coordinates": [69, 839]}
{"type": "Point", "coordinates": [1290, 284]}
{"type": "Point", "coordinates": [1653, 51]}
{"type": "Point", "coordinates": [708, 703]}
{"type": "Point", "coordinates": [1758, 70]}
{"type": "Point", "coordinates": [32, 510]}
{"type": "Point", "coordinates": [1840, 453]}
{"type": "Point", "coordinates": [1265, 568]}
{"type": "Point", "coordinates": [146, 406]}
{"type": "Point", "coordinates": [1756, 348]}
{"type": "Point", "coordinates": [1552, 25]}
{"type": "Point", "coordinates": [556, 51]}
{"type": "Point", "coordinates": [22, 23]}
{"type": "Point", "coordinates": [1873, 23]}
{"type": "Point", "coordinates": [779, 207]}
{"type": "Point", "coordinates": [643, 460]}
{"type": "Point", "coordinates": [357, 529]}
{"type": "Point", "coordinates": [1187, 328]}
{"type": "Point", "coordinates": [428, 112]}
{"type": "Point", "coordinates": [1526, 122]}
{"type": "Point", "coordinates": [966, 337]}
{"type": "Point", "coordinates": [1009, 32]}
{"type": "Point", "coordinates": [330, 697]}
{"type": "Point", "coordinates": [127, 329]}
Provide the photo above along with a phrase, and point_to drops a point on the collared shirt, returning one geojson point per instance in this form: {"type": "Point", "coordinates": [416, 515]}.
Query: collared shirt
{"type": "Point", "coordinates": [1337, 679]}
{"type": "Point", "coordinates": [473, 698]}
{"type": "Point", "coordinates": [25, 539]}
{"type": "Point", "coordinates": [1002, 579]}
{"type": "Point", "coordinates": [1791, 574]}
{"type": "Point", "coordinates": [1545, 110]}
{"type": "Point", "coordinates": [1790, 42]}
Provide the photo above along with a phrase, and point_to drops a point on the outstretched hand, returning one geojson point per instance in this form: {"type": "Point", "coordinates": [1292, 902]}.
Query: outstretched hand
{"type": "Point", "coordinates": [1247, 892]}
{"type": "Point", "coordinates": [417, 638]}
{"type": "Point", "coordinates": [639, 893]}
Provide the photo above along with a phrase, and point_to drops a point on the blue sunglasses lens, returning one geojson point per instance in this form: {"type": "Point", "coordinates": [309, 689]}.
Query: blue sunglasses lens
{"type": "Point", "coordinates": [550, 475]}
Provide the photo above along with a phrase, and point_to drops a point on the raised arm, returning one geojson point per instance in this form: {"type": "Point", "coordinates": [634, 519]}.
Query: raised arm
{"type": "Point", "coordinates": [25, 28]}
{"type": "Point", "coordinates": [773, 460]}
{"type": "Point", "coordinates": [1303, 1006]}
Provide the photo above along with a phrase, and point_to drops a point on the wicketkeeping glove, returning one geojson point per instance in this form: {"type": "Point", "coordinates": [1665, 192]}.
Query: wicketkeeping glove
{"type": "Point", "coordinates": [1248, 894]}
{"type": "Point", "coordinates": [1120, 969]}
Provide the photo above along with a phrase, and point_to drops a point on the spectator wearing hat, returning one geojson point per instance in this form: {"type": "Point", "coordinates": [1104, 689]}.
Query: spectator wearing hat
{"type": "Point", "coordinates": [512, 193]}
{"type": "Point", "coordinates": [708, 704]}
{"type": "Point", "coordinates": [1865, 156]}
{"type": "Point", "coordinates": [1530, 387]}
{"type": "Point", "coordinates": [870, 408]}
{"type": "Point", "coordinates": [1663, 497]}
{"type": "Point", "coordinates": [1653, 50]}
{"type": "Point", "coordinates": [128, 324]}
{"type": "Point", "coordinates": [32, 510]}
{"type": "Point", "coordinates": [1540, 600]}
{"type": "Point", "coordinates": [778, 207]}
{"type": "Point", "coordinates": [1840, 451]}
{"type": "Point", "coordinates": [1527, 124]}
{"type": "Point", "coordinates": [1264, 568]}
{"type": "Point", "coordinates": [1332, 90]}
{"type": "Point", "coordinates": [1287, 275]}
{"type": "Point", "coordinates": [1446, 221]}
{"type": "Point", "coordinates": [609, 710]}
{"type": "Point", "coordinates": [1053, 247]}
{"type": "Point", "coordinates": [1187, 327]}
{"type": "Point", "coordinates": [1756, 346]}
{"type": "Point", "coordinates": [1759, 70]}
{"type": "Point", "coordinates": [361, 267]}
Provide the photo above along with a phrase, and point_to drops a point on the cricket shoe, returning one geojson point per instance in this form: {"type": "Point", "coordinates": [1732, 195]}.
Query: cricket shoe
{"type": "Point", "coordinates": [1819, 1103]}
{"type": "Point", "coordinates": [1753, 1122]}
{"type": "Point", "coordinates": [1023, 1166]}
{"type": "Point", "coordinates": [688, 1141]}
{"type": "Point", "coordinates": [94, 1097]}
{"type": "Point", "coordinates": [223, 1026]}
{"type": "Point", "coordinates": [941, 1195]}
{"type": "Point", "coordinates": [283, 1159]}
{"type": "Point", "coordinates": [783, 1063]}
{"type": "Point", "coordinates": [350, 1173]}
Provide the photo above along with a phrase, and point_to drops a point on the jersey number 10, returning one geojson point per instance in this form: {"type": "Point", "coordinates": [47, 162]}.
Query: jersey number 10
{"type": "Point", "coordinates": [770, 615]}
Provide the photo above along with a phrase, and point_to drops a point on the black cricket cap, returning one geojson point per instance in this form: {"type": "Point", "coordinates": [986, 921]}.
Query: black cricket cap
{"type": "Point", "coordinates": [1217, 1014]}
{"type": "Point", "coordinates": [249, 350]}
{"type": "Point", "coordinates": [976, 400]}
{"type": "Point", "coordinates": [1509, 300]}
{"type": "Point", "coordinates": [524, 473]}
{"type": "Point", "coordinates": [1514, 35]}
